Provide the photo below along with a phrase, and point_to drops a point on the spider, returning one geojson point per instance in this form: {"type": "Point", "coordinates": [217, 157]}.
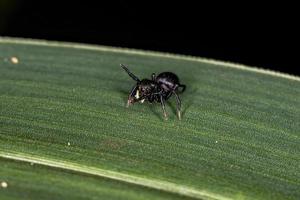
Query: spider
{"type": "Point", "coordinates": [159, 89]}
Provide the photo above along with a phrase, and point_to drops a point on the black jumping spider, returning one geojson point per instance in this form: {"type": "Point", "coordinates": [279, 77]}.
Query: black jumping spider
{"type": "Point", "coordinates": [160, 88]}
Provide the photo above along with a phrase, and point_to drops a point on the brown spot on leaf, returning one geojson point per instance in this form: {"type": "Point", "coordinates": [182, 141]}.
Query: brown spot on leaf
{"type": "Point", "coordinates": [112, 143]}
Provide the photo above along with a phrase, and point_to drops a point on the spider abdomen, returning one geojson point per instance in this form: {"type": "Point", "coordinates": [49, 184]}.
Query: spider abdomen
{"type": "Point", "coordinates": [168, 82]}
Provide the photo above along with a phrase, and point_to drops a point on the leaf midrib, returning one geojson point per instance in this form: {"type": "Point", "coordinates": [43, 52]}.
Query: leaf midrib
{"type": "Point", "coordinates": [141, 181]}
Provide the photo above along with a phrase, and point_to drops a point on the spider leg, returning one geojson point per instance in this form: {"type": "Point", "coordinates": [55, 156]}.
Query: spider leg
{"type": "Point", "coordinates": [130, 74]}
{"type": "Point", "coordinates": [153, 76]}
{"type": "Point", "coordinates": [162, 102]}
{"type": "Point", "coordinates": [178, 105]}
{"type": "Point", "coordinates": [130, 99]}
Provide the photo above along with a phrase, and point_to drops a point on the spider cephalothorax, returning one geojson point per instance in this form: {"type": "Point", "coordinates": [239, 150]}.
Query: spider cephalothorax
{"type": "Point", "coordinates": [159, 89]}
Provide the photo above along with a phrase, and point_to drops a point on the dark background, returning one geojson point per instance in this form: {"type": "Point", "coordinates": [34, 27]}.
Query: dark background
{"type": "Point", "coordinates": [255, 34]}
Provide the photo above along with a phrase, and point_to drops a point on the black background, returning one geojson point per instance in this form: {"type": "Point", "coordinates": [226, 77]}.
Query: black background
{"type": "Point", "coordinates": [255, 34]}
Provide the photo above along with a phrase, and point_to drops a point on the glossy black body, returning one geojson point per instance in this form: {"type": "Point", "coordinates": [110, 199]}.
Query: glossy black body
{"type": "Point", "coordinates": [168, 82]}
{"type": "Point", "coordinates": [159, 89]}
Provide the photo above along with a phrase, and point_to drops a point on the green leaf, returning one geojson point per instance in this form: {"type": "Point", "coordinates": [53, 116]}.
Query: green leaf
{"type": "Point", "coordinates": [65, 132]}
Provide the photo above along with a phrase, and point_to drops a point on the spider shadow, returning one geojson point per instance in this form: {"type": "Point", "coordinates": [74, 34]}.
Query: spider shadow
{"type": "Point", "coordinates": [152, 107]}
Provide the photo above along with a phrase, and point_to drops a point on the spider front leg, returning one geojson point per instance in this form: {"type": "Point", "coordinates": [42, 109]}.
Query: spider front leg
{"type": "Point", "coordinates": [178, 105]}
{"type": "Point", "coordinates": [162, 102]}
{"type": "Point", "coordinates": [131, 96]}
